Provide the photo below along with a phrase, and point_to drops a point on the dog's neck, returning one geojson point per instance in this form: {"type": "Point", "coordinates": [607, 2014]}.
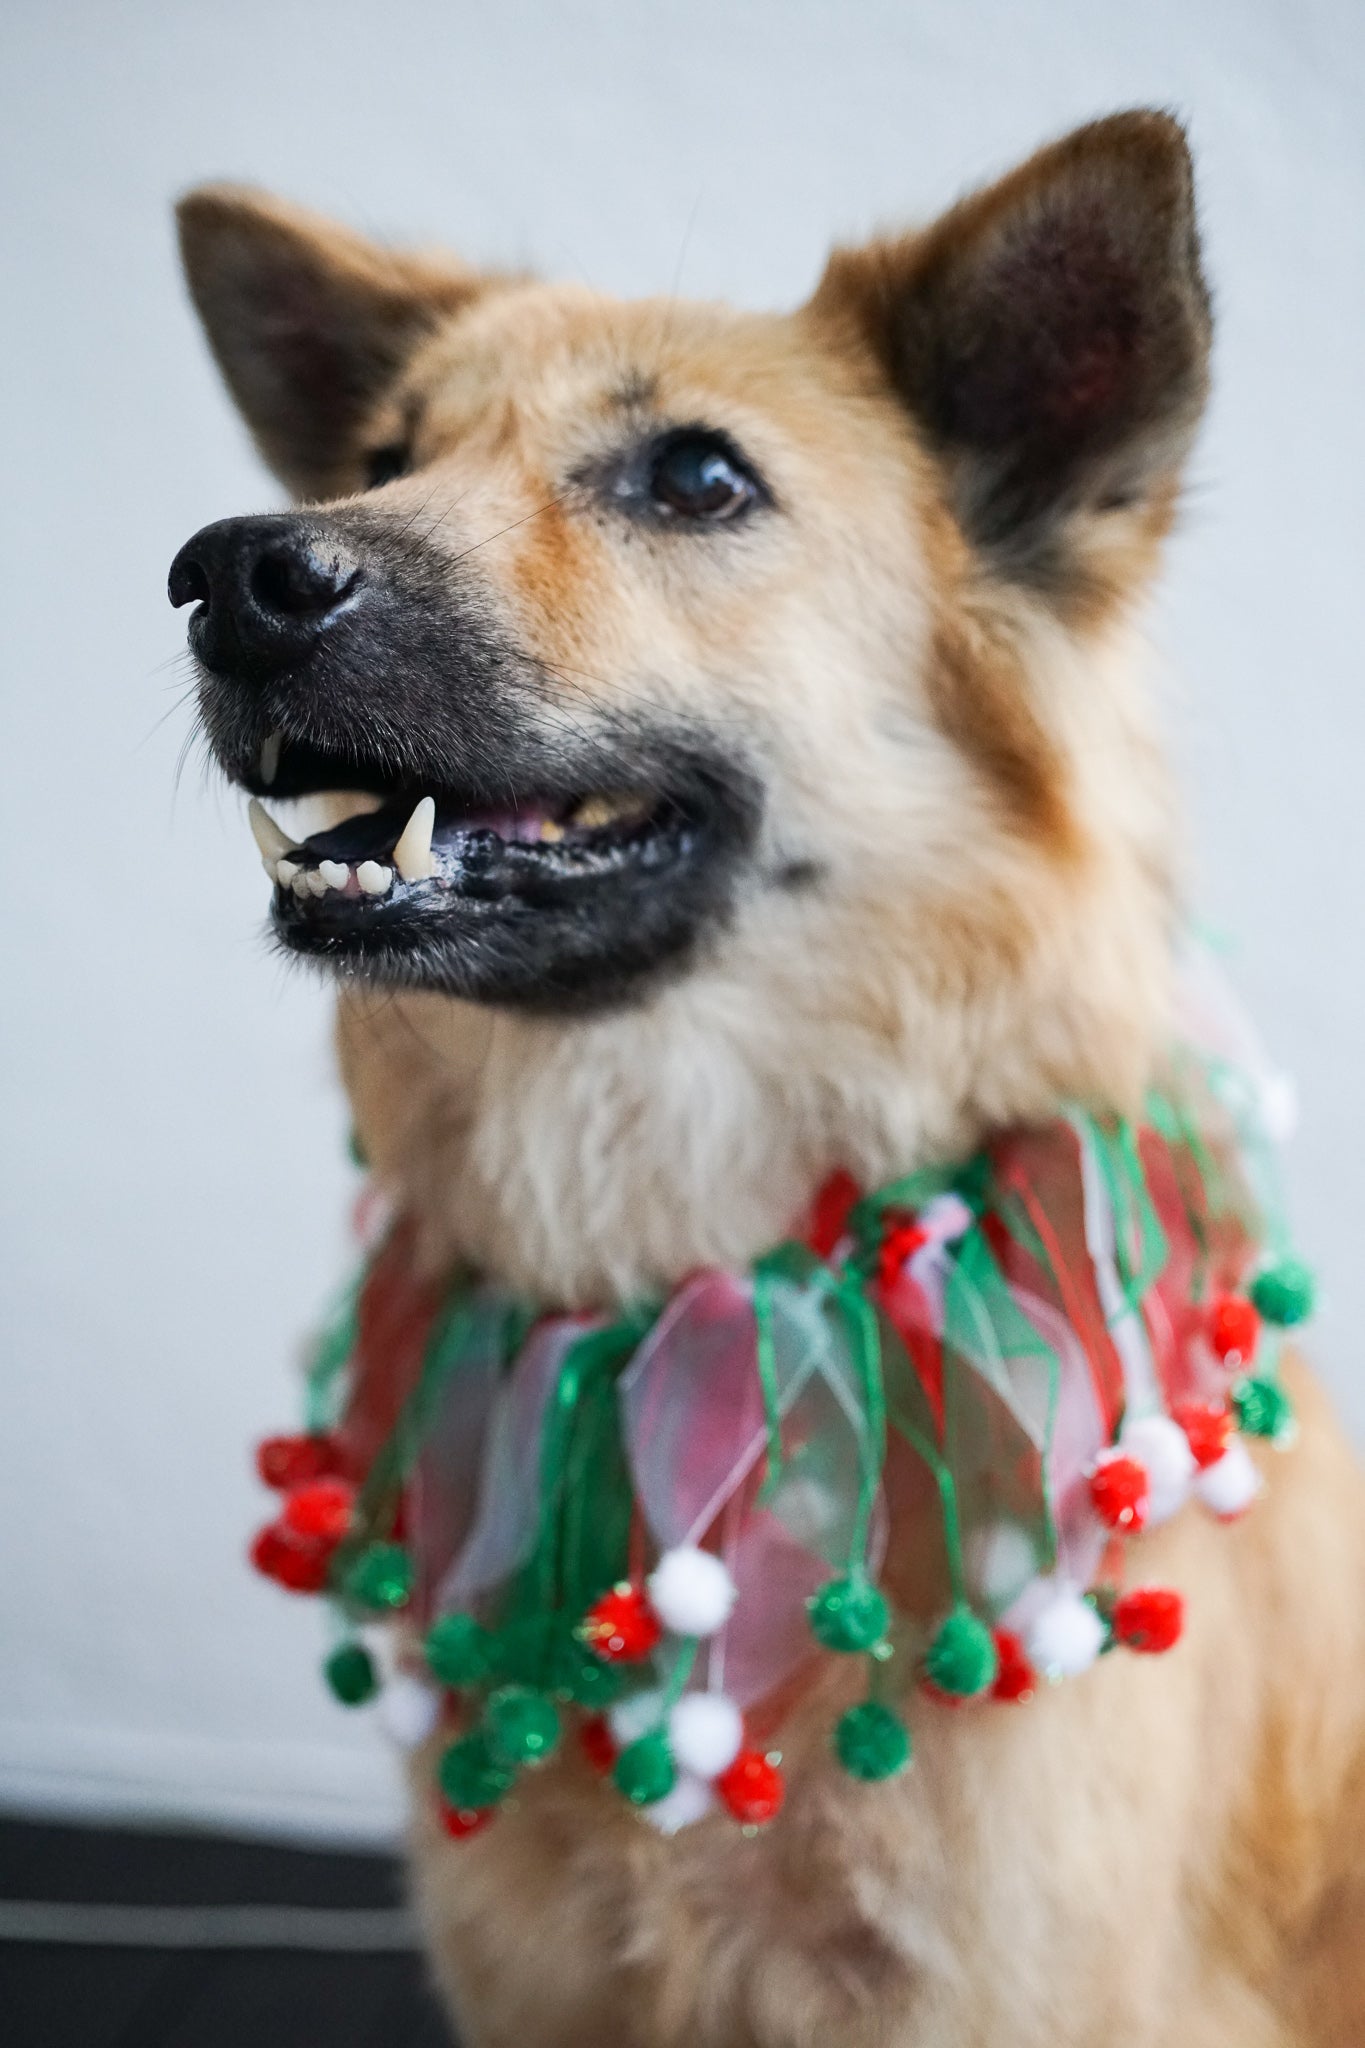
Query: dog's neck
{"type": "Point", "coordinates": [582, 1163]}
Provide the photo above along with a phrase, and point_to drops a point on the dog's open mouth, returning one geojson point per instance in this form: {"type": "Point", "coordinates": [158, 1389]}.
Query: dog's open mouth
{"type": "Point", "coordinates": [547, 897]}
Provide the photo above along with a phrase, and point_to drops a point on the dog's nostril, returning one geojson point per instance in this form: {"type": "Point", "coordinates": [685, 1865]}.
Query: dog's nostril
{"type": "Point", "coordinates": [188, 582]}
{"type": "Point", "coordinates": [264, 591]}
{"type": "Point", "coordinates": [293, 583]}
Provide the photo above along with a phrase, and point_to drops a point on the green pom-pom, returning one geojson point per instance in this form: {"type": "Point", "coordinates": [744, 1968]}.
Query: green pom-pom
{"type": "Point", "coordinates": [1284, 1293]}
{"type": "Point", "coordinates": [458, 1650]}
{"type": "Point", "coordinates": [848, 1614]}
{"type": "Point", "coordinates": [644, 1771]}
{"type": "Point", "coordinates": [522, 1726]}
{"type": "Point", "coordinates": [381, 1576]}
{"type": "Point", "coordinates": [962, 1659]}
{"type": "Point", "coordinates": [350, 1673]}
{"type": "Point", "coordinates": [871, 1742]}
{"type": "Point", "coordinates": [1263, 1409]}
{"type": "Point", "coordinates": [472, 1776]}
{"type": "Point", "coordinates": [356, 1150]}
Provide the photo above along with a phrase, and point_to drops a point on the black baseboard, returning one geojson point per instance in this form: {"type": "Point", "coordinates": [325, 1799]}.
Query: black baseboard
{"type": "Point", "coordinates": [165, 1940]}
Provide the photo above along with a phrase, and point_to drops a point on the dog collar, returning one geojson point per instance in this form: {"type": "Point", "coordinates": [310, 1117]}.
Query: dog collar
{"type": "Point", "coordinates": [655, 1526]}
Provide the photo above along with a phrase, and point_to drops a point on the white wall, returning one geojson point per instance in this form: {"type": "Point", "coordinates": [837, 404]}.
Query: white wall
{"type": "Point", "coordinates": [174, 1183]}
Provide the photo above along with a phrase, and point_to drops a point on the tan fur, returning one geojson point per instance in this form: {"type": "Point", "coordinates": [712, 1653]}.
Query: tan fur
{"type": "Point", "coordinates": [1167, 1852]}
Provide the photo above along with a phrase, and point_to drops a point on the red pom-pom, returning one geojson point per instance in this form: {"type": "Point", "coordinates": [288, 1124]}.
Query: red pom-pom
{"type": "Point", "coordinates": [1120, 1492]}
{"type": "Point", "coordinates": [752, 1787]}
{"type": "Point", "coordinates": [830, 1213]}
{"type": "Point", "coordinates": [1209, 1431]}
{"type": "Point", "coordinates": [1016, 1678]}
{"type": "Point", "coordinates": [460, 1822]}
{"type": "Point", "coordinates": [321, 1510]}
{"type": "Point", "coordinates": [267, 1546]}
{"type": "Point", "coordinates": [1150, 1619]}
{"type": "Point", "coordinates": [598, 1743]}
{"type": "Point", "coordinates": [284, 1462]}
{"type": "Point", "coordinates": [291, 1561]}
{"type": "Point", "coordinates": [1234, 1327]}
{"type": "Point", "coordinates": [622, 1627]}
{"type": "Point", "coordinates": [901, 1240]}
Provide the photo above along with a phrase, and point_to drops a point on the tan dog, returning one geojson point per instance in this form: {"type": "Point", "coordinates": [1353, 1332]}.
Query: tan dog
{"type": "Point", "coordinates": [787, 665]}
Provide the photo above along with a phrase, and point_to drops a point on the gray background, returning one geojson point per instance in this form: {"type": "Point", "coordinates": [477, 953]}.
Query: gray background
{"type": "Point", "coordinates": [175, 1189]}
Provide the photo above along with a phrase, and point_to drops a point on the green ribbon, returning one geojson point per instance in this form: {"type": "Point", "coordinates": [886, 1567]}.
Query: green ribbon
{"type": "Point", "coordinates": [325, 1389]}
{"type": "Point", "coordinates": [794, 1265]}
{"type": "Point", "coordinates": [1140, 1248]}
{"type": "Point", "coordinates": [863, 1330]}
{"type": "Point", "coordinates": [582, 1539]}
{"type": "Point", "coordinates": [446, 1348]}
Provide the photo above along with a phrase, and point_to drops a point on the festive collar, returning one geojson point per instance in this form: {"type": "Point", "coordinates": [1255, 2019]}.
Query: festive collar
{"type": "Point", "coordinates": [657, 1523]}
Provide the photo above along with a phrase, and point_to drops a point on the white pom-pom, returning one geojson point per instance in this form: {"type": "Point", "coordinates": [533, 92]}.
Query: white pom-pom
{"type": "Point", "coordinates": [945, 1218]}
{"type": "Point", "coordinates": [1230, 1485]}
{"type": "Point", "coordinates": [705, 1733]}
{"type": "Point", "coordinates": [635, 1716]}
{"type": "Point", "coordinates": [691, 1799]}
{"type": "Point", "coordinates": [691, 1591]}
{"type": "Point", "coordinates": [1065, 1635]}
{"type": "Point", "coordinates": [408, 1709]}
{"type": "Point", "coordinates": [1162, 1448]}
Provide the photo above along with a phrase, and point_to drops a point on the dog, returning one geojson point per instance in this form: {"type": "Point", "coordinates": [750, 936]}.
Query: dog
{"type": "Point", "coordinates": [787, 666]}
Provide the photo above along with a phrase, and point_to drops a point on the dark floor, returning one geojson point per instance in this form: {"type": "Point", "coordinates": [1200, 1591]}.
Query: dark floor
{"type": "Point", "coordinates": [68, 1992]}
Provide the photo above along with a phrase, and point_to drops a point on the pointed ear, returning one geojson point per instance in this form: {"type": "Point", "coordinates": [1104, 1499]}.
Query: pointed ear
{"type": "Point", "coordinates": [1051, 336]}
{"type": "Point", "coordinates": [309, 323]}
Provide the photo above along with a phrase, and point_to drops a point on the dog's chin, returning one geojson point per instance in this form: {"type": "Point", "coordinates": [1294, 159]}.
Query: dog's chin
{"type": "Point", "coordinates": [557, 901]}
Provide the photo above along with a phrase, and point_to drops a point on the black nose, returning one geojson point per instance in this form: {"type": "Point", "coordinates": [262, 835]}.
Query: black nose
{"type": "Point", "coordinates": [266, 590]}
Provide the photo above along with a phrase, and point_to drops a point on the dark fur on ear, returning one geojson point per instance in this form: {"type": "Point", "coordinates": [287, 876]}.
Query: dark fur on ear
{"type": "Point", "coordinates": [309, 323]}
{"type": "Point", "coordinates": [1051, 336]}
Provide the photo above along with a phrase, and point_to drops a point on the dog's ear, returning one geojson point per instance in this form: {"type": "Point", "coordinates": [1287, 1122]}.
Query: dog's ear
{"type": "Point", "coordinates": [1051, 336]}
{"type": "Point", "coordinates": [309, 323]}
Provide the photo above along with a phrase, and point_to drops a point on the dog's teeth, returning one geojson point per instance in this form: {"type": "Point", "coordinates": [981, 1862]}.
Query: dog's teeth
{"type": "Point", "coordinates": [335, 873]}
{"type": "Point", "coordinates": [373, 878]}
{"type": "Point", "coordinates": [317, 886]}
{"type": "Point", "coordinates": [550, 832]}
{"type": "Point", "coordinates": [596, 811]}
{"type": "Point", "coordinates": [300, 883]}
{"type": "Point", "coordinates": [270, 756]}
{"type": "Point", "coordinates": [267, 834]}
{"type": "Point", "coordinates": [412, 855]}
{"type": "Point", "coordinates": [285, 871]}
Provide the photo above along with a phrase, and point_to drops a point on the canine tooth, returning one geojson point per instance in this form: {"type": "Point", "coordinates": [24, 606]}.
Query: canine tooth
{"type": "Point", "coordinates": [550, 832]}
{"type": "Point", "coordinates": [373, 878]}
{"type": "Point", "coordinates": [334, 873]}
{"type": "Point", "coordinates": [412, 855]}
{"type": "Point", "coordinates": [266, 833]}
{"type": "Point", "coordinates": [313, 877]}
{"type": "Point", "coordinates": [285, 871]}
{"type": "Point", "coordinates": [270, 756]}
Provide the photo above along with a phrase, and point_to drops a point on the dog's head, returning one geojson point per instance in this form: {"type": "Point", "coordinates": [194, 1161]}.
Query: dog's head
{"type": "Point", "coordinates": [666, 644]}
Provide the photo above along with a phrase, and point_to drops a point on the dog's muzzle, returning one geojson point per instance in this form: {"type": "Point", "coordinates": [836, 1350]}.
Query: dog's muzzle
{"type": "Point", "coordinates": [485, 838]}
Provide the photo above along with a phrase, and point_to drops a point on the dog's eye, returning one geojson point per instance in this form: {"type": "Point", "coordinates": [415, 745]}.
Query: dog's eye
{"type": "Point", "coordinates": [382, 465]}
{"type": "Point", "coordinates": [700, 476]}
